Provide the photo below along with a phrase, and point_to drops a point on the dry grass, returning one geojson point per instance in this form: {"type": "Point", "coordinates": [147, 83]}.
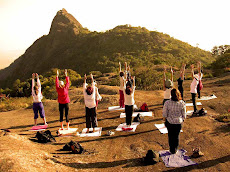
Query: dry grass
{"type": "Point", "coordinates": [15, 103]}
{"type": "Point", "coordinates": [223, 117]}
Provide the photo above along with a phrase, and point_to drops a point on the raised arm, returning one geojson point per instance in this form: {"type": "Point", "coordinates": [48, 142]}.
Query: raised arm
{"type": "Point", "coordinates": [119, 67]}
{"type": "Point", "coordinates": [91, 76]}
{"type": "Point", "coordinates": [33, 76]}
{"type": "Point", "coordinates": [171, 74]}
{"type": "Point", "coordinates": [134, 82]}
{"type": "Point", "coordinates": [164, 78]}
{"type": "Point", "coordinates": [199, 68]}
{"type": "Point", "coordinates": [38, 81]}
{"type": "Point", "coordinates": [125, 73]}
{"type": "Point", "coordinates": [67, 79]}
{"type": "Point", "coordinates": [57, 80]}
{"type": "Point", "coordinates": [182, 71]}
{"type": "Point", "coordinates": [192, 68]}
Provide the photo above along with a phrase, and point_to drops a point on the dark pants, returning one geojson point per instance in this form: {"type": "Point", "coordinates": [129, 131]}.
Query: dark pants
{"type": "Point", "coordinates": [173, 136]}
{"type": "Point", "coordinates": [61, 110]}
{"type": "Point", "coordinates": [181, 92]}
{"type": "Point", "coordinates": [194, 101]}
{"type": "Point", "coordinates": [91, 117]}
{"type": "Point", "coordinates": [38, 107]}
{"type": "Point", "coordinates": [128, 113]}
{"type": "Point", "coordinates": [198, 90]}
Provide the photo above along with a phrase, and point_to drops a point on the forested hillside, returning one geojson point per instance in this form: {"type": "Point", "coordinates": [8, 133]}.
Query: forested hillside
{"type": "Point", "coordinates": [69, 45]}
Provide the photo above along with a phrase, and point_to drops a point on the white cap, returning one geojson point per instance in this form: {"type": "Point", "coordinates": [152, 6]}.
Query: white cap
{"type": "Point", "coordinates": [61, 83]}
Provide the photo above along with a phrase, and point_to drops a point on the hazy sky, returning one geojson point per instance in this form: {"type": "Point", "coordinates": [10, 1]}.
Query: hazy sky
{"type": "Point", "coordinates": [203, 22]}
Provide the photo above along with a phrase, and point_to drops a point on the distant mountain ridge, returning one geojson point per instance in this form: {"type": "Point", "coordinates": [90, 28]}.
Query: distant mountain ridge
{"type": "Point", "coordinates": [70, 45]}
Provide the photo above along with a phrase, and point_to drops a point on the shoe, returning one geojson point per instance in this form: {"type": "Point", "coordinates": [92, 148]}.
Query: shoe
{"type": "Point", "coordinates": [110, 133]}
{"type": "Point", "coordinates": [197, 153]}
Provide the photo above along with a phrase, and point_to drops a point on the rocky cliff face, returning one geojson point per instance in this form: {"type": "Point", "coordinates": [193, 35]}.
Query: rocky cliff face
{"type": "Point", "coordinates": [44, 52]}
{"type": "Point", "coordinates": [65, 23]}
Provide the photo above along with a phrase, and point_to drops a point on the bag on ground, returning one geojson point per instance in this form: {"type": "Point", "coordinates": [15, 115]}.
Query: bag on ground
{"type": "Point", "coordinates": [44, 137]}
{"type": "Point", "coordinates": [138, 118]}
{"type": "Point", "coordinates": [144, 108]}
{"type": "Point", "coordinates": [202, 112]}
{"type": "Point", "coordinates": [75, 147]}
{"type": "Point", "coordinates": [151, 157]}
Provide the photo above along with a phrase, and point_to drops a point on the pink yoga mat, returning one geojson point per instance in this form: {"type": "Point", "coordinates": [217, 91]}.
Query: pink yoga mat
{"type": "Point", "coordinates": [39, 127]}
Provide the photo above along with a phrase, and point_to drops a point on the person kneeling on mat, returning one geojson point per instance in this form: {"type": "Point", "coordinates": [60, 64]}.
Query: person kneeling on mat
{"type": "Point", "coordinates": [63, 98]}
{"type": "Point", "coordinates": [90, 104]}
{"type": "Point", "coordinates": [37, 100]}
{"type": "Point", "coordinates": [174, 116]}
{"type": "Point", "coordinates": [129, 102]}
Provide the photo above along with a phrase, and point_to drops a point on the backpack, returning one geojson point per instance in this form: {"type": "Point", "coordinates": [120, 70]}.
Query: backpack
{"type": "Point", "coordinates": [75, 147]}
{"type": "Point", "coordinates": [202, 112]}
{"type": "Point", "coordinates": [144, 108]}
{"type": "Point", "coordinates": [44, 137]}
{"type": "Point", "coordinates": [151, 157]}
{"type": "Point", "coordinates": [138, 118]}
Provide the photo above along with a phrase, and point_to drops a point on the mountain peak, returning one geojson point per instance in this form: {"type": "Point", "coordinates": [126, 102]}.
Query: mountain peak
{"type": "Point", "coordinates": [64, 22]}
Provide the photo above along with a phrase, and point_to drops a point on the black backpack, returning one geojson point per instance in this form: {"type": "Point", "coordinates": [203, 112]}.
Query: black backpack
{"type": "Point", "coordinates": [202, 112]}
{"type": "Point", "coordinates": [75, 147]}
{"type": "Point", "coordinates": [138, 118]}
{"type": "Point", "coordinates": [44, 137]}
{"type": "Point", "coordinates": [151, 157]}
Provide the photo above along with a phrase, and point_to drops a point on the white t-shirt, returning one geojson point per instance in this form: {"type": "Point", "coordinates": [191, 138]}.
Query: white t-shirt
{"type": "Point", "coordinates": [195, 82]}
{"type": "Point", "coordinates": [167, 93]}
{"type": "Point", "coordinates": [37, 98]}
{"type": "Point", "coordinates": [122, 82]}
{"type": "Point", "coordinates": [129, 99]}
{"type": "Point", "coordinates": [89, 99]}
{"type": "Point", "coordinates": [98, 96]}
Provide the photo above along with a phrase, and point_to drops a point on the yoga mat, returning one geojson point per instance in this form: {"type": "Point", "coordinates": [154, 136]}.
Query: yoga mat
{"type": "Point", "coordinates": [94, 134]}
{"type": "Point", "coordinates": [162, 128]}
{"type": "Point", "coordinates": [189, 112]}
{"type": "Point", "coordinates": [122, 115]}
{"type": "Point", "coordinates": [118, 108]}
{"type": "Point", "coordinates": [178, 159]}
{"type": "Point", "coordinates": [208, 97]}
{"type": "Point", "coordinates": [39, 127]}
{"type": "Point", "coordinates": [190, 104]}
{"type": "Point", "coordinates": [133, 125]}
{"type": "Point", "coordinates": [65, 132]}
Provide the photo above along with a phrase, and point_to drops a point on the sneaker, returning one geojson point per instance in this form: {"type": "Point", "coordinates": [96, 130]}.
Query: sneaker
{"type": "Point", "coordinates": [197, 153]}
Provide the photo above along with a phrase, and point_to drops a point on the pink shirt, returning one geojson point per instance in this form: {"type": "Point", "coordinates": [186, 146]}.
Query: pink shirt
{"type": "Point", "coordinates": [63, 95]}
{"type": "Point", "coordinates": [195, 82]}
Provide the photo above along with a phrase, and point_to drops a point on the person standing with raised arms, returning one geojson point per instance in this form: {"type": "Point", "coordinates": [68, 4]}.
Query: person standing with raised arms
{"type": "Point", "coordinates": [129, 102]}
{"type": "Point", "coordinates": [37, 100]}
{"type": "Point", "coordinates": [167, 85]}
{"type": "Point", "coordinates": [193, 87]}
{"type": "Point", "coordinates": [63, 98]}
{"type": "Point", "coordinates": [89, 93]}
{"type": "Point", "coordinates": [122, 77]}
{"type": "Point", "coordinates": [180, 81]}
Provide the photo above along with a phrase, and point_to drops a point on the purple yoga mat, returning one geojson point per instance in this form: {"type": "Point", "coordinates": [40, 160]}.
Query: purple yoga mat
{"type": "Point", "coordinates": [176, 160]}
